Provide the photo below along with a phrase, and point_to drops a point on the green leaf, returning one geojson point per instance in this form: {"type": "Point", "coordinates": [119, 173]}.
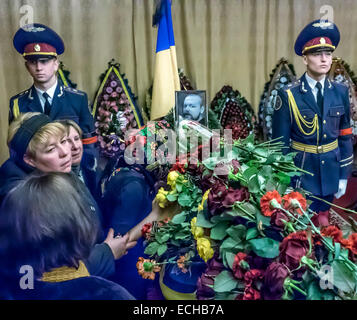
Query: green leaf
{"type": "Point", "coordinates": [225, 296]}
{"type": "Point", "coordinates": [265, 221]}
{"type": "Point", "coordinates": [219, 231]}
{"type": "Point", "coordinates": [179, 187]}
{"type": "Point", "coordinates": [179, 218]}
{"type": "Point", "coordinates": [224, 282]}
{"type": "Point", "coordinates": [253, 184]}
{"type": "Point", "coordinates": [343, 278]}
{"type": "Point", "coordinates": [261, 152]}
{"type": "Point", "coordinates": [182, 235]}
{"type": "Point", "coordinates": [172, 197]}
{"type": "Point", "coordinates": [184, 200]}
{"type": "Point", "coordinates": [210, 163]}
{"type": "Point", "coordinates": [242, 208]}
{"type": "Point", "coordinates": [165, 237]}
{"type": "Point", "coordinates": [252, 233]}
{"type": "Point", "coordinates": [270, 160]}
{"type": "Point", "coordinates": [251, 171]}
{"type": "Point", "coordinates": [314, 292]}
{"type": "Point", "coordinates": [231, 244]}
{"type": "Point", "coordinates": [283, 178]}
{"type": "Point", "coordinates": [221, 217]}
{"type": "Point", "coordinates": [271, 184]}
{"type": "Point", "coordinates": [282, 188]}
{"type": "Point", "coordinates": [162, 249]}
{"type": "Point", "coordinates": [229, 259]}
{"type": "Point", "coordinates": [151, 249]}
{"type": "Point", "coordinates": [237, 232]}
{"type": "Point", "coordinates": [203, 222]}
{"type": "Point", "coordinates": [265, 247]}
{"type": "Point", "coordinates": [266, 171]}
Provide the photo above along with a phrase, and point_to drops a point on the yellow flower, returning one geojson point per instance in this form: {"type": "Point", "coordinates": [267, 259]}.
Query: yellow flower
{"type": "Point", "coordinates": [204, 248]}
{"type": "Point", "coordinates": [204, 198]}
{"type": "Point", "coordinates": [197, 232]}
{"type": "Point", "coordinates": [171, 178]}
{"type": "Point", "coordinates": [161, 197]}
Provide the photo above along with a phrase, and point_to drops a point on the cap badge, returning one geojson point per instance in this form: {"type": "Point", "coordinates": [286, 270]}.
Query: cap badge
{"type": "Point", "coordinates": [37, 47]}
{"type": "Point", "coordinates": [322, 24]}
{"type": "Point", "coordinates": [30, 28]}
{"type": "Point", "coordinates": [322, 41]}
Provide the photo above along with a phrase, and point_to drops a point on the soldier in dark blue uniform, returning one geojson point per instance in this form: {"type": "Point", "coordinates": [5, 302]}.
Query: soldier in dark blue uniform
{"type": "Point", "coordinates": [312, 117]}
{"type": "Point", "coordinates": [40, 47]}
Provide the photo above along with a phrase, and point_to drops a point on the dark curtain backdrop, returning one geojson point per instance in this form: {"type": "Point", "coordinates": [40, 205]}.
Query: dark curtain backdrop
{"type": "Point", "coordinates": [236, 42]}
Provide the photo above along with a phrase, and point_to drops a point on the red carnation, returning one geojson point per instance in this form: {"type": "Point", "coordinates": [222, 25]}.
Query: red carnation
{"type": "Point", "coordinates": [234, 195]}
{"type": "Point", "coordinates": [277, 218]}
{"type": "Point", "coordinates": [293, 248]}
{"type": "Point", "coordinates": [251, 294]}
{"type": "Point", "coordinates": [253, 275]}
{"type": "Point", "coordinates": [237, 269]}
{"type": "Point", "coordinates": [269, 202]}
{"type": "Point", "coordinates": [146, 229]}
{"type": "Point", "coordinates": [274, 279]}
{"type": "Point", "coordinates": [351, 243]}
{"type": "Point", "coordinates": [333, 232]}
{"type": "Point", "coordinates": [321, 219]}
{"type": "Point", "coordinates": [291, 199]}
{"type": "Point", "coordinates": [215, 198]}
{"type": "Point", "coordinates": [180, 167]}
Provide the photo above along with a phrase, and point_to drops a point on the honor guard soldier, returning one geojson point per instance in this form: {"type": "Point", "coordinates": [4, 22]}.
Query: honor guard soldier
{"type": "Point", "coordinates": [40, 46]}
{"type": "Point", "coordinates": [312, 117]}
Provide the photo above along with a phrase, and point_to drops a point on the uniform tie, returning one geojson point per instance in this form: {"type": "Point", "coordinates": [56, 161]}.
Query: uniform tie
{"type": "Point", "coordinates": [319, 97]}
{"type": "Point", "coordinates": [47, 103]}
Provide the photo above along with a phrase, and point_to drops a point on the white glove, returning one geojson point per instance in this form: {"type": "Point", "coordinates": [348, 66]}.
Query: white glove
{"type": "Point", "coordinates": [342, 184]}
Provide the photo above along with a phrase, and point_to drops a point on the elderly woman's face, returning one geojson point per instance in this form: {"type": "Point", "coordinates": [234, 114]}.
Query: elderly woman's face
{"type": "Point", "coordinates": [76, 145]}
{"type": "Point", "coordinates": [55, 156]}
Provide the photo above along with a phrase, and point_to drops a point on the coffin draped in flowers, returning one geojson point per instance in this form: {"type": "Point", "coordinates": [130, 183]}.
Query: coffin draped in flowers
{"type": "Point", "coordinates": [256, 235]}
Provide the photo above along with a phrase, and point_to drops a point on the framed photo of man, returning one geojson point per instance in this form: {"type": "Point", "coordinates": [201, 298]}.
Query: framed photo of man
{"type": "Point", "coordinates": [191, 105]}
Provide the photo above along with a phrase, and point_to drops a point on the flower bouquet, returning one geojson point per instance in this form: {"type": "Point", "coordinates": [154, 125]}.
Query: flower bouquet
{"type": "Point", "coordinates": [257, 236]}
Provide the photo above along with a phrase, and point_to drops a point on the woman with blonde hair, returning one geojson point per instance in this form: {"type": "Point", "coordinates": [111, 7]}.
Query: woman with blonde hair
{"type": "Point", "coordinates": [37, 144]}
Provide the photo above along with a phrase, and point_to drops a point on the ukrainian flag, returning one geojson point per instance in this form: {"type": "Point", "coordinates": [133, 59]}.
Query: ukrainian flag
{"type": "Point", "coordinates": [166, 78]}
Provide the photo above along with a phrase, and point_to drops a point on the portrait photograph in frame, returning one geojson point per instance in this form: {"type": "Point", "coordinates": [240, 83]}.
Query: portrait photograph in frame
{"type": "Point", "coordinates": [191, 105]}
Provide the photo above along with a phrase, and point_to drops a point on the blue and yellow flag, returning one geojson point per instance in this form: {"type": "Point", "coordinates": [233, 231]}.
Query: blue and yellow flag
{"type": "Point", "coordinates": [166, 78]}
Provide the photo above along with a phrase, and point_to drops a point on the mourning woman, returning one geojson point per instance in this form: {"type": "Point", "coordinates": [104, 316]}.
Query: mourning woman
{"type": "Point", "coordinates": [88, 174]}
{"type": "Point", "coordinates": [38, 145]}
{"type": "Point", "coordinates": [50, 233]}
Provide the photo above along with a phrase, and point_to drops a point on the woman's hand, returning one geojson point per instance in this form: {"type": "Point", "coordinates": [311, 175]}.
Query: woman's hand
{"type": "Point", "coordinates": [119, 244]}
{"type": "Point", "coordinates": [156, 214]}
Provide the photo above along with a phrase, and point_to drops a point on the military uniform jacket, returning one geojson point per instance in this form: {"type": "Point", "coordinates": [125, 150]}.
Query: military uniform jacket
{"type": "Point", "coordinates": [67, 103]}
{"type": "Point", "coordinates": [332, 131]}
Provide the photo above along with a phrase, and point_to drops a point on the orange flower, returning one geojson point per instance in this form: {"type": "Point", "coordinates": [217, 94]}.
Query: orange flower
{"type": "Point", "coordinates": [292, 201]}
{"type": "Point", "coordinates": [147, 268]}
{"type": "Point", "coordinates": [269, 202]}
{"type": "Point", "coordinates": [181, 263]}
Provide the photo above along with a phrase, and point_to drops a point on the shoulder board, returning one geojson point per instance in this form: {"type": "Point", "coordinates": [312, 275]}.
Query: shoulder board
{"type": "Point", "coordinates": [20, 94]}
{"type": "Point", "coordinates": [72, 90]}
{"type": "Point", "coordinates": [343, 84]}
{"type": "Point", "coordinates": [292, 84]}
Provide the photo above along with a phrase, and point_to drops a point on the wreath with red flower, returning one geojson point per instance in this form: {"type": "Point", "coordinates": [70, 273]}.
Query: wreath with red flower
{"type": "Point", "coordinates": [115, 111]}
